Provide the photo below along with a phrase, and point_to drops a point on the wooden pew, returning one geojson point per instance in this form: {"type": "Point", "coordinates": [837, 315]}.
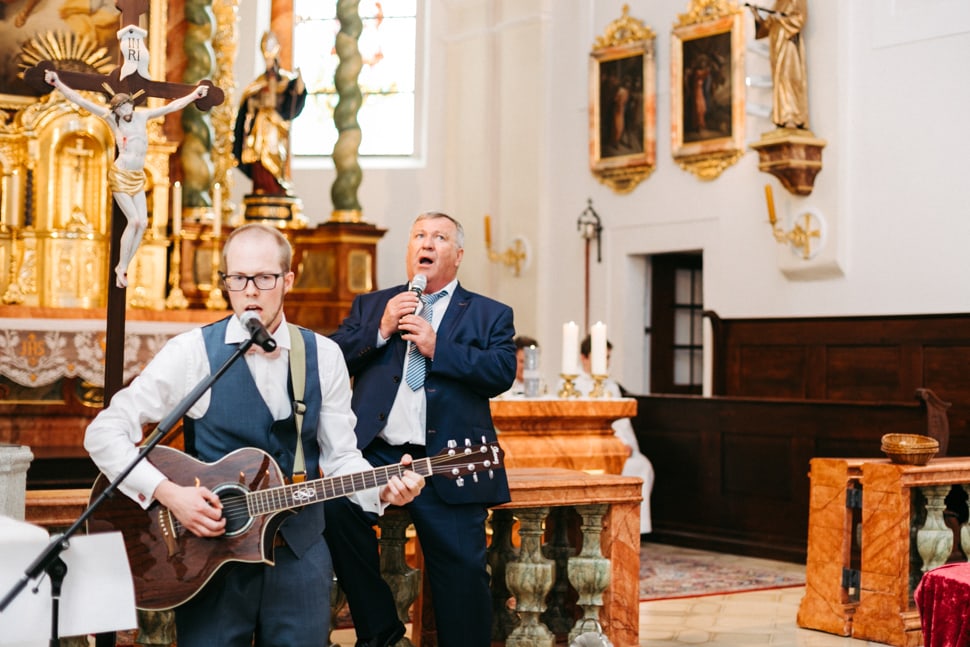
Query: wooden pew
{"type": "Point", "coordinates": [732, 473]}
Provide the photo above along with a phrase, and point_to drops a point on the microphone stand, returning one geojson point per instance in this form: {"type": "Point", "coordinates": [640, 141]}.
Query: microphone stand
{"type": "Point", "coordinates": [49, 560]}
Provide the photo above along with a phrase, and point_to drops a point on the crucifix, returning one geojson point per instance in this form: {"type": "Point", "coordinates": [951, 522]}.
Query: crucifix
{"type": "Point", "coordinates": [127, 87]}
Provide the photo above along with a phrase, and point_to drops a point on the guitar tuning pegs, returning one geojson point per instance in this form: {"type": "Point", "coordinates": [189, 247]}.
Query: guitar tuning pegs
{"type": "Point", "coordinates": [491, 474]}
{"type": "Point", "coordinates": [452, 443]}
{"type": "Point", "coordinates": [475, 478]}
{"type": "Point", "coordinates": [460, 481]}
{"type": "Point", "coordinates": [468, 443]}
{"type": "Point", "coordinates": [483, 440]}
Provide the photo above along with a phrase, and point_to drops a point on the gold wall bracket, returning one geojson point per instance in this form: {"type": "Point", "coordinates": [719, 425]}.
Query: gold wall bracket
{"type": "Point", "coordinates": [807, 234]}
{"type": "Point", "coordinates": [518, 256]}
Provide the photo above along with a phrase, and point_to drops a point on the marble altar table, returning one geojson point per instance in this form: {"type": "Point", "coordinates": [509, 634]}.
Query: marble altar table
{"type": "Point", "coordinates": [573, 434]}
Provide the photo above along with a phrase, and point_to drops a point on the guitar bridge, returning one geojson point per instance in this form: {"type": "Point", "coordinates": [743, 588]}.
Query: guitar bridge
{"type": "Point", "coordinates": [166, 525]}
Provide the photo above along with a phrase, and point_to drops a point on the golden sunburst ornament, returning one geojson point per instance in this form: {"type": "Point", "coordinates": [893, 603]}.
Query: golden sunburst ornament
{"type": "Point", "coordinates": [70, 52]}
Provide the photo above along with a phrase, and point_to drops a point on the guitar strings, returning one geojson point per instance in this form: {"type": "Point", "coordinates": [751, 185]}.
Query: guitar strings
{"type": "Point", "coordinates": [238, 507]}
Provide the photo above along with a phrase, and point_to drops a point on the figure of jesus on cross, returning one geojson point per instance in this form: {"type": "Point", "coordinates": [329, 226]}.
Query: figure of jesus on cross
{"type": "Point", "coordinates": [126, 178]}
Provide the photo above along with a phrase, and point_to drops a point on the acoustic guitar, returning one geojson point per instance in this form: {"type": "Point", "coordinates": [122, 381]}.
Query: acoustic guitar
{"type": "Point", "coordinates": [170, 565]}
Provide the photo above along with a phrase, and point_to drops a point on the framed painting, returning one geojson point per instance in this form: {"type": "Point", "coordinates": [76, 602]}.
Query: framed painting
{"type": "Point", "coordinates": [622, 104]}
{"type": "Point", "coordinates": [707, 88]}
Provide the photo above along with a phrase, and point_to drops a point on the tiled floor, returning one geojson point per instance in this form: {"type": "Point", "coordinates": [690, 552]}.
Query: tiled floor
{"type": "Point", "coordinates": [752, 619]}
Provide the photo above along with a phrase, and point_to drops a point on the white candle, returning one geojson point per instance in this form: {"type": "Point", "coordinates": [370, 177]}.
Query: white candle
{"type": "Point", "coordinates": [176, 208]}
{"type": "Point", "coordinates": [597, 356]}
{"type": "Point", "coordinates": [570, 345]}
{"type": "Point", "coordinates": [5, 205]}
{"type": "Point", "coordinates": [216, 210]}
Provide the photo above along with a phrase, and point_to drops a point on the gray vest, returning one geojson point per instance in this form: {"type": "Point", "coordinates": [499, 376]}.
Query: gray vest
{"type": "Point", "coordinates": [237, 417]}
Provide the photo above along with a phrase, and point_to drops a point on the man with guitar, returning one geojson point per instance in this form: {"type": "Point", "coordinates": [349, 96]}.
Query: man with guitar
{"type": "Point", "coordinates": [425, 358]}
{"type": "Point", "coordinates": [257, 404]}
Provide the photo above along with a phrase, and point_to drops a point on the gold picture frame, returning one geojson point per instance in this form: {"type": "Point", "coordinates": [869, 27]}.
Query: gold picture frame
{"type": "Point", "coordinates": [623, 104]}
{"type": "Point", "coordinates": [707, 88]}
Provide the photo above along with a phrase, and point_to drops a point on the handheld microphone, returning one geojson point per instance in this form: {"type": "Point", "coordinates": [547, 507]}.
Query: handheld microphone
{"type": "Point", "coordinates": [418, 284]}
{"type": "Point", "coordinates": [257, 331]}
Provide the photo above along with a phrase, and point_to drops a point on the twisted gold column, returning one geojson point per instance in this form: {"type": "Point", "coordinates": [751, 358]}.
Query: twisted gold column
{"type": "Point", "coordinates": [343, 192]}
{"type": "Point", "coordinates": [195, 152]}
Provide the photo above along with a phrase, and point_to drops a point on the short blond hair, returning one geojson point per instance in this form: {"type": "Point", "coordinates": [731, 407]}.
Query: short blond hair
{"type": "Point", "coordinates": [285, 249]}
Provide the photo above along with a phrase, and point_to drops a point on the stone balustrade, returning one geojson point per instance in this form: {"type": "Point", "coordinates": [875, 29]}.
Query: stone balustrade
{"type": "Point", "coordinates": [898, 514]}
{"type": "Point", "coordinates": [575, 531]}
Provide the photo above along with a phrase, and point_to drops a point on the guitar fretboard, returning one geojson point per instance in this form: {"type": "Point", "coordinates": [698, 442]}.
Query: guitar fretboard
{"type": "Point", "coordinates": [295, 495]}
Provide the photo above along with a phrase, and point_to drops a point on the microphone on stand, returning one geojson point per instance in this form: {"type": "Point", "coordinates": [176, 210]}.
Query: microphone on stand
{"type": "Point", "coordinates": [257, 331]}
{"type": "Point", "coordinates": [418, 284]}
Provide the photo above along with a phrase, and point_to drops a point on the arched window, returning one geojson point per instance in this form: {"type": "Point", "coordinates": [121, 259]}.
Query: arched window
{"type": "Point", "coordinates": [387, 46]}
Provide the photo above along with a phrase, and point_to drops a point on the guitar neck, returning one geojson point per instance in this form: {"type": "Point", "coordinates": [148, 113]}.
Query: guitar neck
{"type": "Point", "coordinates": [296, 495]}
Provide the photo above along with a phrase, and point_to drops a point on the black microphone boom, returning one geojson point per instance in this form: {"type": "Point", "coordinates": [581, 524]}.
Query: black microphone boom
{"type": "Point", "coordinates": [257, 331]}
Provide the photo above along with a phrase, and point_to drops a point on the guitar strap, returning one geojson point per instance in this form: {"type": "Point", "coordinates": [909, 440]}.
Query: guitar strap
{"type": "Point", "coordinates": [298, 376]}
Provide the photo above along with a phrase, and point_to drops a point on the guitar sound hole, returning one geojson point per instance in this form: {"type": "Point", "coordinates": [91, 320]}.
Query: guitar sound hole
{"type": "Point", "coordinates": [234, 510]}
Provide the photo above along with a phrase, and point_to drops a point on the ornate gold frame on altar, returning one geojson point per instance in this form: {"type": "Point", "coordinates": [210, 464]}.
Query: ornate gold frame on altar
{"type": "Point", "coordinates": [707, 88]}
{"type": "Point", "coordinates": [48, 30]}
{"type": "Point", "coordinates": [54, 211]}
{"type": "Point", "coordinates": [623, 104]}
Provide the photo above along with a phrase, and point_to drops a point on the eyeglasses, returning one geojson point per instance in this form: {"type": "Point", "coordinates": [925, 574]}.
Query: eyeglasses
{"type": "Point", "coordinates": [238, 282]}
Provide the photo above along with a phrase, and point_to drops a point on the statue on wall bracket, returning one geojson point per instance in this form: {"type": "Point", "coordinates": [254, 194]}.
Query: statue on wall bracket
{"type": "Point", "coordinates": [791, 152]}
{"type": "Point", "coordinates": [262, 137]}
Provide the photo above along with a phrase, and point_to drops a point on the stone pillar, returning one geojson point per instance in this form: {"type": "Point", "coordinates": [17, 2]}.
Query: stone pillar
{"type": "Point", "coordinates": [14, 461]}
{"type": "Point", "coordinates": [529, 578]}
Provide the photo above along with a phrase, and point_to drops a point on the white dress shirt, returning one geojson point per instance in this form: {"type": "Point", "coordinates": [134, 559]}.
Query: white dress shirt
{"type": "Point", "coordinates": [181, 364]}
{"type": "Point", "coordinates": [409, 413]}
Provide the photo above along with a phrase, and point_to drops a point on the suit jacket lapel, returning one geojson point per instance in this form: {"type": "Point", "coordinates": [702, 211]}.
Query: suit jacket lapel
{"type": "Point", "coordinates": [456, 310]}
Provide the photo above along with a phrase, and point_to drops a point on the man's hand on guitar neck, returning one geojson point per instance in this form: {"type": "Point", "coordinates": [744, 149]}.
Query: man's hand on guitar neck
{"type": "Point", "coordinates": [401, 490]}
{"type": "Point", "coordinates": [196, 507]}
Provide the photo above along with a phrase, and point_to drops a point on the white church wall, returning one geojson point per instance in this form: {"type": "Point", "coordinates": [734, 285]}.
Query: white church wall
{"type": "Point", "coordinates": [507, 134]}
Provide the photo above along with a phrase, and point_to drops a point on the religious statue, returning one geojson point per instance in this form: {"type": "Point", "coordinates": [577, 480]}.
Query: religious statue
{"type": "Point", "coordinates": [783, 25]}
{"type": "Point", "coordinates": [126, 177]}
{"type": "Point", "coordinates": [262, 132]}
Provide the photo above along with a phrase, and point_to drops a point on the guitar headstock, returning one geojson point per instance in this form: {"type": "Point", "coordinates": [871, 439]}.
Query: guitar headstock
{"type": "Point", "coordinates": [456, 462]}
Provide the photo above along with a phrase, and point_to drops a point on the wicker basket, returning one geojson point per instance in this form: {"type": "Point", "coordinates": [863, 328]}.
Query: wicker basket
{"type": "Point", "coordinates": [909, 449]}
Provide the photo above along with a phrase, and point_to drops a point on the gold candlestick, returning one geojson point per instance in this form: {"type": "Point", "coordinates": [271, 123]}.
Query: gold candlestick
{"type": "Point", "coordinates": [176, 298]}
{"type": "Point", "coordinates": [215, 300]}
{"type": "Point", "coordinates": [139, 294]}
{"type": "Point", "coordinates": [598, 390]}
{"type": "Point", "coordinates": [568, 389]}
{"type": "Point", "coordinates": [14, 295]}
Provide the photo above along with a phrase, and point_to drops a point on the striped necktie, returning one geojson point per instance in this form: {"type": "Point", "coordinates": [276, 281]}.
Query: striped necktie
{"type": "Point", "coordinates": [417, 363]}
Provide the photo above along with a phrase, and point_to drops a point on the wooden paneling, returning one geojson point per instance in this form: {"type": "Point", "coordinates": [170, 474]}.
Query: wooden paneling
{"type": "Point", "coordinates": [849, 359]}
{"type": "Point", "coordinates": [732, 473]}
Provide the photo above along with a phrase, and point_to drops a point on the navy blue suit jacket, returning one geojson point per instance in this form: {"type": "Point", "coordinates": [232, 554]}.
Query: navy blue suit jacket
{"type": "Point", "coordinates": [474, 361]}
